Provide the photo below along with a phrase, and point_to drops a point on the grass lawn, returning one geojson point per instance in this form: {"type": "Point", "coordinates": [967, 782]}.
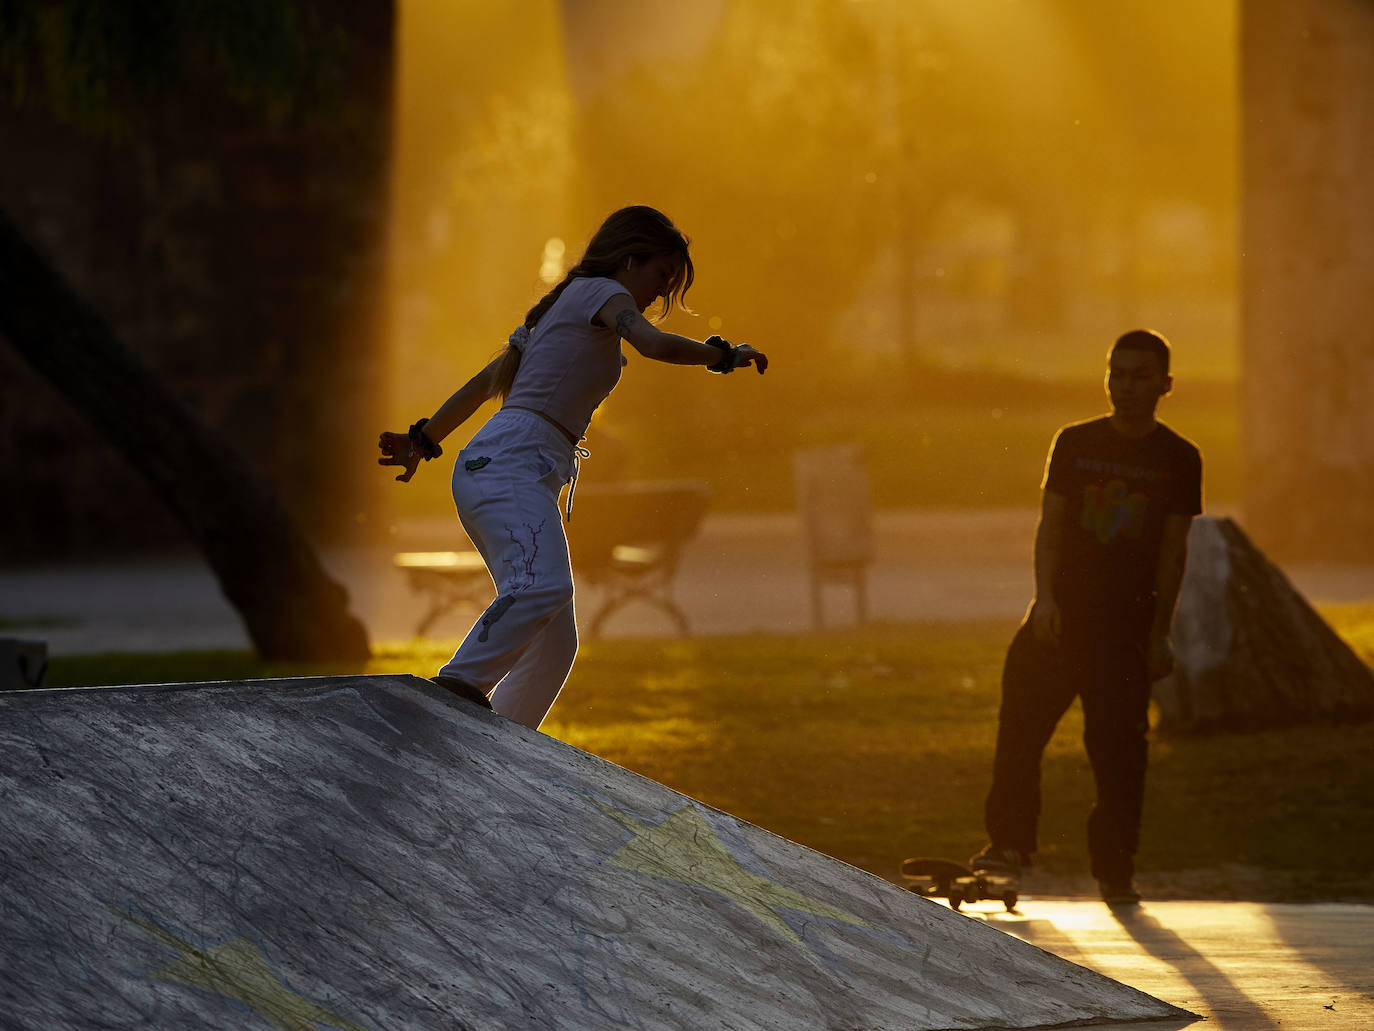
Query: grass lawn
{"type": "Point", "coordinates": [872, 745]}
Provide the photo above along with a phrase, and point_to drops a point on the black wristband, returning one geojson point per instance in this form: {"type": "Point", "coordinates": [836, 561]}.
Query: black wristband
{"type": "Point", "coordinates": [422, 443]}
{"type": "Point", "coordinates": [727, 355]}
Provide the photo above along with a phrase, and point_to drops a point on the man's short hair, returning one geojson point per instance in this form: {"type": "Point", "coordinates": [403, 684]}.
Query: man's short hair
{"type": "Point", "coordinates": [1144, 340]}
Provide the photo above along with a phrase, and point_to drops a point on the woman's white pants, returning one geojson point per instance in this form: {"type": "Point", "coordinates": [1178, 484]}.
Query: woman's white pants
{"type": "Point", "coordinates": [505, 486]}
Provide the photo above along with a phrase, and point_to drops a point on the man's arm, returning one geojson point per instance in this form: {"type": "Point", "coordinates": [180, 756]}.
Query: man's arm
{"type": "Point", "coordinates": [1173, 557]}
{"type": "Point", "coordinates": [1045, 619]}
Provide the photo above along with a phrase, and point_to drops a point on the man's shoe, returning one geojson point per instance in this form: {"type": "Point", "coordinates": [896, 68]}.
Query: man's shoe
{"type": "Point", "coordinates": [999, 860]}
{"type": "Point", "coordinates": [1119, 892]}
{"type": "Point", "coordinates": [463, 690]}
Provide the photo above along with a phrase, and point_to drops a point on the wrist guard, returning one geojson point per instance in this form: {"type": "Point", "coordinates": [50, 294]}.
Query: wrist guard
{"type": "Point", "coordinates": [727, 356]}
{"type": "Point", "coordinates": [421, 443]}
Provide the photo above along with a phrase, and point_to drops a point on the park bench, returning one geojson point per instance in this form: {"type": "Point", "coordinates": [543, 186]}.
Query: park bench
{"type": "Point", "coordinates": [626, 541]}
{"type": "Point", "coordinates": [447, 579]}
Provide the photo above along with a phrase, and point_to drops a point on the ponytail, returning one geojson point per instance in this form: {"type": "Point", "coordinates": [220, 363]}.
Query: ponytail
{"type": "Point", "coordinates": [506, 368]}
{"type": "Point", "coordinates": [509, 363]}
{"type": "Point", "coordinates": [544, 303]}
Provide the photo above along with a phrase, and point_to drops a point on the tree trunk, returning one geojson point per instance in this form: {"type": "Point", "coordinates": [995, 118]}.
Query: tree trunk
{"type": "Point", "coordinates": [266, 568]}
{"type": "Point", "coordinates": [1251, 651]}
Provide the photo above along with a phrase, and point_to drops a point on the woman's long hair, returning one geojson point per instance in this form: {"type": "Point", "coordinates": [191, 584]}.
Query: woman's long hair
{"type": "Point", "coordinates": [637, 232]}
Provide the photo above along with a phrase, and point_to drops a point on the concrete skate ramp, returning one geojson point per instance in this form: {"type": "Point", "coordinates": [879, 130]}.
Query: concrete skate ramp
{"type": "Point", "coordinates": [369, 852]}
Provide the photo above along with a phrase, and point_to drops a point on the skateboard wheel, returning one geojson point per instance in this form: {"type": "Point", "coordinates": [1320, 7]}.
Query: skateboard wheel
{"type": "Point", "coordinates": [956, 899]}
{"type": "Point", "coordinates": [1009, 900]}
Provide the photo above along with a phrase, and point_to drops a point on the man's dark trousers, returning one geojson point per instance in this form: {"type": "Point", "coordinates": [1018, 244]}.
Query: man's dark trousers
{"type": "Point", "coordinates": [1107, 669]}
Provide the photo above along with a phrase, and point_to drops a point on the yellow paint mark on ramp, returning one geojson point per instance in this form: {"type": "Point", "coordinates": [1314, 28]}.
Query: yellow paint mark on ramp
{"type": "Point", "coordinates": [238, 970]}
{"type": "Point", "coordinates": [684, 848]}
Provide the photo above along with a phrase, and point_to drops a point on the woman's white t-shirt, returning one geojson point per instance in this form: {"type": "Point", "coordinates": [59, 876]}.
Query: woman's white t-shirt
{"type": "Point", "coordinates": [570, 365]}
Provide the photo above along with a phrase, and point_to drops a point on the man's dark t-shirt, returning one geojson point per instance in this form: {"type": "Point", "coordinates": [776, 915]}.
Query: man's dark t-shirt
{"type": "Point", "coordinates": [1118, 490]}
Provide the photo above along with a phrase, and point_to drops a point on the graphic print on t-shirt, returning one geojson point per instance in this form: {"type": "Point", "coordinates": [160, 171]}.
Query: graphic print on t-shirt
{"type": "Point", "coordinates": [1119, 492]}
{"type": "Point", "coordinates": [1109, 511]}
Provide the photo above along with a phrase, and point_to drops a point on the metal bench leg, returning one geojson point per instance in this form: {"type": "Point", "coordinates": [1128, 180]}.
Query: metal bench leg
{"type": "Point", "coordinates": [435, 611]}
{"type": "Point", "coordinates": [615, 604]}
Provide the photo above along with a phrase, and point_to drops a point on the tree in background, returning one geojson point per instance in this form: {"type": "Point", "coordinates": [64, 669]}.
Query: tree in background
{"type": "Point", "coordinates": [110, 70]}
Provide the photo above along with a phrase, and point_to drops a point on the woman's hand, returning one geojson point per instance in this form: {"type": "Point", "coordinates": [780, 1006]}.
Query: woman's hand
{"type": "Point", "coordinates": [746, 355]}
{"type": "Point", "coordinates": [397, 450]}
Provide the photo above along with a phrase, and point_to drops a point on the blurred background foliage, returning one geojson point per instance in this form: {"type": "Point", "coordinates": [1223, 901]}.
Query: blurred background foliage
{"type": "Point", "coordinates": [934, 217]}
{"type": "Point", "coordinates": [104, 67]}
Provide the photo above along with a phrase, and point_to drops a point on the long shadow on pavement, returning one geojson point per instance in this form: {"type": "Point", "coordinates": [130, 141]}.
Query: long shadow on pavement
{"type": "Point", "coordinates": [1222, 995]}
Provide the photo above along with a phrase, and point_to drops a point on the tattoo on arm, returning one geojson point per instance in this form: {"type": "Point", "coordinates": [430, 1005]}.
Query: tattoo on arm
{"type": "Point", "coordinates": [624, 321]}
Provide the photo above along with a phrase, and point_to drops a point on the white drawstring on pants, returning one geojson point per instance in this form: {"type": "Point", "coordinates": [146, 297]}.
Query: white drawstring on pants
{"type": "Point", "coordinates": [579, 453]}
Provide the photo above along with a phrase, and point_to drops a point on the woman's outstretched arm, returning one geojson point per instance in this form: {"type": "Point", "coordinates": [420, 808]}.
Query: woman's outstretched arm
{"type": "Point", "coordinates": [650, 341]}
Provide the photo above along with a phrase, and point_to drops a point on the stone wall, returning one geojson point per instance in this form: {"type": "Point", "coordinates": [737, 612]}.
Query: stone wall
{"type": "Point", "coordinates": [1307, 94]}
{"type": "Point", "coordinates": [244, 264]}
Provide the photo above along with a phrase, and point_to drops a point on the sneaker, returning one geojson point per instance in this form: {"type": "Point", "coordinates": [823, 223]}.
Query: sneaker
{"type": "Point", "coordinates": [463, 690]}
{"type": "Point", "coordinates": [1119, 892]}
{"type": "Point", "coordinates": [999, 860]}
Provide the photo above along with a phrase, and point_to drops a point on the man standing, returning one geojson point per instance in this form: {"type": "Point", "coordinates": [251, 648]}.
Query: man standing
{"type": "Point", "coordinates": [1120, 493]}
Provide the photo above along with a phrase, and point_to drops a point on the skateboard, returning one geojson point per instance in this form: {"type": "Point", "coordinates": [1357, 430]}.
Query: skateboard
{"type": "Point", "coordinates": [957, 883]}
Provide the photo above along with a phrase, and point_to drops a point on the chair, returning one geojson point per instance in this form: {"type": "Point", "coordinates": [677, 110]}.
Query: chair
{"type": "Point", "coordinates": [834, 502]}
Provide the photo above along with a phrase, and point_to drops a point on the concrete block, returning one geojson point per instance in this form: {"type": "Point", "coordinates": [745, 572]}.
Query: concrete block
{"type": "Point", "coordinates": [23, 664]}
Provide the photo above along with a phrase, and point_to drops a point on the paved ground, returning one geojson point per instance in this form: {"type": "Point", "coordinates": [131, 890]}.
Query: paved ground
{"type": "Point", "coordinates": [1243, 966]}
{"type": "Point", "coordinates": [741, 573]}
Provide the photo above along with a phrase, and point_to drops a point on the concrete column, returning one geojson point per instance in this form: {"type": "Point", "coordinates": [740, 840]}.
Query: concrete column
{"type": "Point", "coordinates": [1307, 124]}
